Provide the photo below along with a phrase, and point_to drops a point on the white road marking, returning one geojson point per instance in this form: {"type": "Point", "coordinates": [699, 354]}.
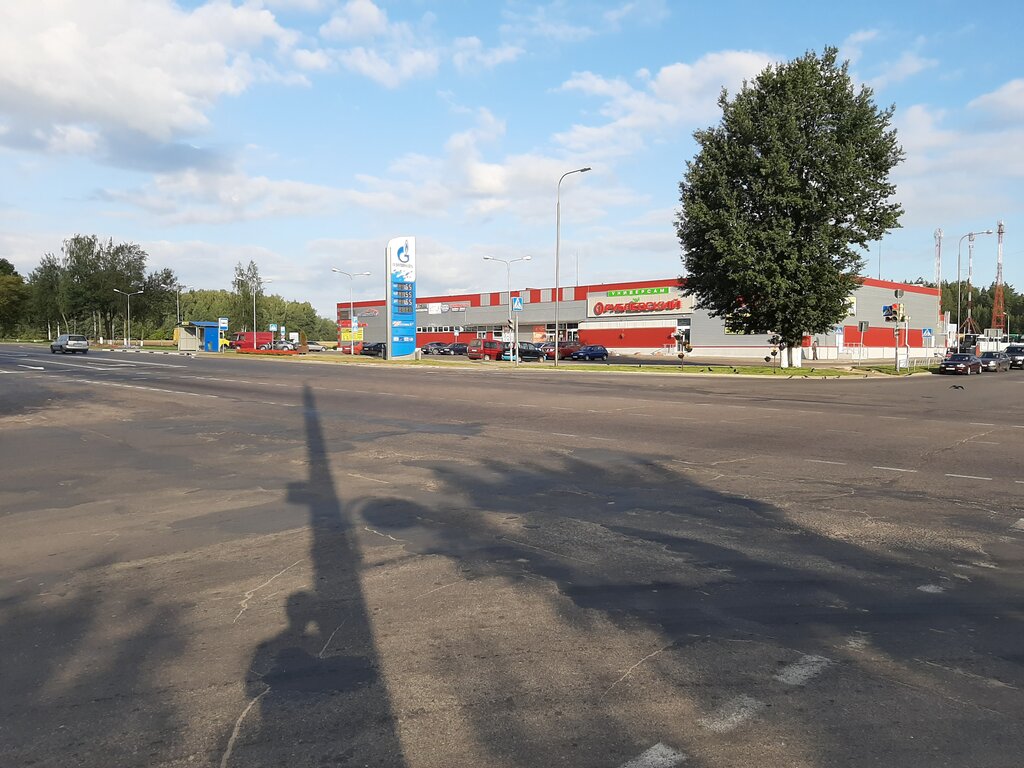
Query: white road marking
{"type": "Point", "coordinates": [932, 589]}
{"type": "Point", "coordinates": [1019, 525]}
{"type": "Point", "coordinates": [894, 418]}
{"type": "Point", "coordinates": [373, 479]}
{"type": "Point", "coordinates": [983, 442]}
{"type": "Point", "coordinates": [32, 367]}
{"type": "Point", "coordinates": [823, 461]}
{"type": "Point", "coordinates": [238, 727]}
{"type": "Point", "coordinates": [895, 469]}
{"type": "Point", "coordinates": [658, 756]}
{"type": "Point", "coordinates": [249, 595]}
{"type": "Point", "coordinates": [563, 434]}
{"type": "Point", "coordinates": [732, 714]}
{"type": "Point", "coordinates": [968, 477]}
{"type": "Point", "coordinates": [980, 424]}
{"type": "Point", "coordinates": [802, 670]}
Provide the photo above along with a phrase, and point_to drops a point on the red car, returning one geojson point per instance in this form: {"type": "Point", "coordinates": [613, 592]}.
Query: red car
{"type": "Point", "coordinates": [565, 349]}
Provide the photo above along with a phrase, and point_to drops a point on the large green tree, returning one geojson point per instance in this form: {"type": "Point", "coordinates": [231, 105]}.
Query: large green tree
{"type": "Point", "coordinates": [783, 197]}
{"type": "Point", "coordinates": [14, 298]}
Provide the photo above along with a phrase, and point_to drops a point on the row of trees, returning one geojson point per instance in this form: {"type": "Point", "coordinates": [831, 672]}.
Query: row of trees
{"type": "Point", "coordinates": [81, 290]}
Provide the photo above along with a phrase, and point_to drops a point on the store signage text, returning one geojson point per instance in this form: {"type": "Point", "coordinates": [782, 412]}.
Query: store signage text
{"type": "Point", "coordinates": [603, 308]}
{"type": "Point", "coordinates": [639, 292]}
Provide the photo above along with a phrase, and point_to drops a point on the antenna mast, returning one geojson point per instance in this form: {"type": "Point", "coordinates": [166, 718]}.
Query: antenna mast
{"type": "Point", "coordinates": [938, 267]}
{"type": "Point", "coordinates": [999, 304]}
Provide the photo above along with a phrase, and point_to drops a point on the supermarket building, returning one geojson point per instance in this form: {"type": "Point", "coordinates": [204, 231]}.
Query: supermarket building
{"type": "Point", "coordinates": [654, 317]}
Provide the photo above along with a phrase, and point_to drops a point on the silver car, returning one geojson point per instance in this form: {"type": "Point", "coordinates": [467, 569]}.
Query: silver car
{"type": "Point", "coordinates": [70, 342]}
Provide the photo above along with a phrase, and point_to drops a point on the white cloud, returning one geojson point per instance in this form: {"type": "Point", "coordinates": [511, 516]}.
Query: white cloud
{"type": "Point", "coordinates": [356, 20]}
{"type": "Point", "coordinates": [470, 55]}
{"type": "Point", "coordinates": [1006, 102]}
{"type": "Point", "coordinates": [195, 197]}
{"type": "Point", "coordinates": [391, 68]}
{"type": "Point", "coordinates": [679, 95]}
{"type": "Point", "coordinates": [547, 22]}
{"type": "Point", "coordinates": [69, 139]}
{"type": "Point", "coordinates": [143, 66]}
{"type": "Point", "coordinates": [907, 65]}
{"type": "Point", "coordinates": [312, 60]}
{"type": "Point", "coordinates": [852, 48]}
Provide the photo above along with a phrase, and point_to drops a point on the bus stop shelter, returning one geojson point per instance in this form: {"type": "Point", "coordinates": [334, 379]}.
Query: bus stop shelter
{"type": "Point", "coordinates": [199, 336]}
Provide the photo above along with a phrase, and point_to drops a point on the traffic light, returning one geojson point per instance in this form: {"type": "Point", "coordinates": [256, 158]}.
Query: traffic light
{"type": "Point", "coordinates": [901, 312]}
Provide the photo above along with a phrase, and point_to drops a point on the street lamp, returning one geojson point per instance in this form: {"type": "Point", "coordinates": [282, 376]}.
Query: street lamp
{"type": "Point", "coordinates": [177, 303]}
{"type": "Point", "coordinates": [256, 285]}
{"type": "Point", "coordinates": [351, 307]}
{"type": "Point", "coordinates": [970, 235]}
{"type": "Point", "coordinates": [128, 326]}
{"type": "Point", "coordinates": [508, 274]}
{"type": "Point", "coordinates": [558, 236]}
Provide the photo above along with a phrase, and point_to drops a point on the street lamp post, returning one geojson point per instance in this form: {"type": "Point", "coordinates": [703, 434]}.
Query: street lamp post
{"type": "Point", "coordinates": [256, 285]}
{"type": "Point", "coordinates": [558, 237]}
{"type": "Point", "coordinates": [508, 275]}
{"type": "Point", "coordinates": [351, 307]}
{"type": "Point", "coordinates": [128, 324]}
{"type": "Point", "coordinates": [177, 304]}
{"type": "Point", "coordinates": [970, 235]}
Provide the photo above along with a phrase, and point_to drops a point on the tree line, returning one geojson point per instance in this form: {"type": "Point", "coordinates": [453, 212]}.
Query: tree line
{"type": "Point", "coordinates": [82, 290]}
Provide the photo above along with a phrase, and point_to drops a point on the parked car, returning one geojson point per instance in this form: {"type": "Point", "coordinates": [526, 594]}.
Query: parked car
{"type": "Point", "coordinates": [433, 347]}
{"type": "Point", "coordinates": [279, 344]}
{"type": "Point", "coordinates": [377, 349]}
{"type": "Point", "coordinates": [316, 346]}
{"type": "Point", "coordinates": [960, 363]}
{"type": "Point", "coordinates": [590, 352]}
{"type": "Point", "coordinates": [995, 361]}
{"type": "Point", "coordinates": [1016, 355]}
{"type": "Point", "coordinates": [485, 349]}
{"type": "Point", "coordinates": [458, 348]}
{"type": "Point", "coordinates": [70, 342]}
{"type": "Point", "coordinates": [527, 351]}
{"type": "Point", "coordinates": [565, 349]}
{"type": "Point", "coordinates": [346, 348]}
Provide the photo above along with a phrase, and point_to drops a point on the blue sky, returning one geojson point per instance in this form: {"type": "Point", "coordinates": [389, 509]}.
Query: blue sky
{"type": "Point", "coordinates": [303, 134]}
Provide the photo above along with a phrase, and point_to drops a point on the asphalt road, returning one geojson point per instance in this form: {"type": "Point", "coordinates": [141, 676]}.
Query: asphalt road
{"type": "Point", "coordinates": [238, 562]}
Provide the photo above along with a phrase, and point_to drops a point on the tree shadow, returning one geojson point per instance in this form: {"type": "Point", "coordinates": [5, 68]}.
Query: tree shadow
{"type": "Point", "coordinates": [629, 540]}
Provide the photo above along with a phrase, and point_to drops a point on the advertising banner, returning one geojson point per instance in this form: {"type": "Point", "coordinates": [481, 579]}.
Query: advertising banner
{"type": "Point", "coordinates": [666, 300]}
{"type": "Point", "coordinates": [401, 270]}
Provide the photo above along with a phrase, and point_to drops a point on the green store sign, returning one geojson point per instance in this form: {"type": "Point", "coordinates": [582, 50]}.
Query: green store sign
{"type": "Point", "coordinates": [639, 292]}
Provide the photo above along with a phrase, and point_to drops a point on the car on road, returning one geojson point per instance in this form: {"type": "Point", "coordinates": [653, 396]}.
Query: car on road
{"type": "Point", "coordinates": [70, 342]}
{"type": "Point", "coordinates": [377, 349]}
{"type": "Point", "coordinates": [565, 349]}
{"type": "Point", "coordinates": [527, 351]}
{"type": "Point", "coordinates": [590, 352]}
{"type": "Point", "coordinates": [485, 349]}
{"type": "Point", "coordinates": [960, 363]}
{"type": "Point", "coordinates": [458, 348]}
{"type": "Point", "coordinates": [316, 346]}
{"type": "Point", "coordinates": [433, 347]}
{"type": "Point", "coordinates": [1016, 355]}
{"type": "Point", "coordinates": [995, 361]}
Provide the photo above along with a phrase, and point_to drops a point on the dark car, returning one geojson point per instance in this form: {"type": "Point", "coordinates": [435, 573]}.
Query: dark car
{"type": "Point", "coordinates": [589, 352]}
{"type": "Point", "coordinates": [377, 349]}
{"type": "Point", "coordinates": [995, 361]}
{"type": "Point", "coordinates": [458, 348]}
{"type": "Point", "coordinates": [1016, 355]}
{"type": "Point", "coordinates": [960, 363]}
{"type": "Point", "coordinates": [434, 348]}
{"type": "Point", "coordinates": [526, 351]}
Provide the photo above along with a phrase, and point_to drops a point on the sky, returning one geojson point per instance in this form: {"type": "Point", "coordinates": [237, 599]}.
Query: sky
{"type": "Point", "coordinates": [304, 134]}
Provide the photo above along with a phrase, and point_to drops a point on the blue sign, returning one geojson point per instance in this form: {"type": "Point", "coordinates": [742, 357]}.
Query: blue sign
{"type": "Point", "coordinates": [401, 270]}
{"type": "Point", "coordinates": [926, 333]}
{"type": "Point", "coordinates": [273, 327]}
{"type": "Point", "coordinates": [517, 303]}
{"type": "Point", "coordinates": [222, 323]}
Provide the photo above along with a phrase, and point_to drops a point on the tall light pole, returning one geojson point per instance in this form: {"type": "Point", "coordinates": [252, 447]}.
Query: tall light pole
{"type": "Point", "coordinates": [128, 325]}
{"type": "Point", "coordinates": [970, 235]}
{"type": "Point", "coordinates": [256, 285]}
{"type": "Point", "coordinates": [351, 306]}
{"type": "Point", "coordinates": [177, 303]}
{"type": "Point", "coordinates": [508, 274]}
{"type": "Point", "coordinates": [558, 238]}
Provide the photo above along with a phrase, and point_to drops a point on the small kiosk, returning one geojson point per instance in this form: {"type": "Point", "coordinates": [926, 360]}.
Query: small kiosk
{"type": "Point", "coordinates": [199, 336]}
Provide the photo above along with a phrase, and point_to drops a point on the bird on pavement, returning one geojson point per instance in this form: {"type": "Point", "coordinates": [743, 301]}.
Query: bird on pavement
{"type": "Point", "coordinates": [956, 386]}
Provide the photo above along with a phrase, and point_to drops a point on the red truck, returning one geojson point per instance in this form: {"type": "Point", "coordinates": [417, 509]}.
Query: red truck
{"type": "Point", "coordinates": [245, 339]}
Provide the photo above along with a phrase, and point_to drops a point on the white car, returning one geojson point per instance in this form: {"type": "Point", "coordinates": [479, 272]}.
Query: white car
{"type": "Point", "coordinates": [70, 342]}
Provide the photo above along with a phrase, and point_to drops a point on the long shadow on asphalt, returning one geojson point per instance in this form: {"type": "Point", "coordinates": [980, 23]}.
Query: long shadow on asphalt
{"type": "Point", "coordinates": [316, 688]}
{"type": "Point", "coordinates": [629, 540]}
